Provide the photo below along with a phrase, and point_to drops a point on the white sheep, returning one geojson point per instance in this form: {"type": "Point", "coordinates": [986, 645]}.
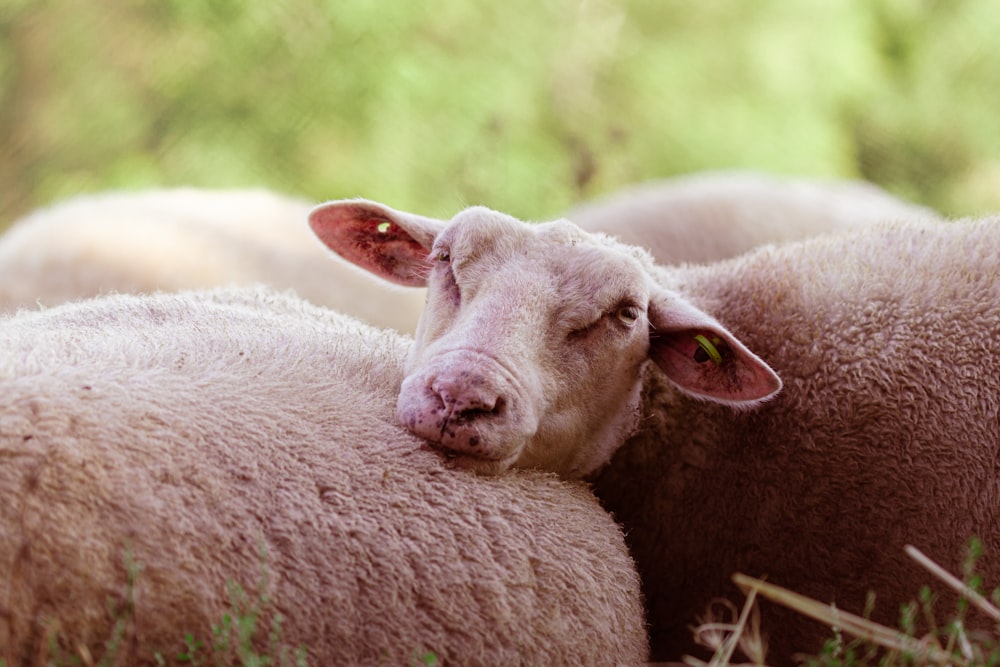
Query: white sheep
{"type": "Point", "coordinates": [185, 238]}
{"type": "Point", "coordinates": [717, 215]}
{"type": "Point", "coordinates": [534, 347]}
{"type": "Point", "coordinates": [240, 436]}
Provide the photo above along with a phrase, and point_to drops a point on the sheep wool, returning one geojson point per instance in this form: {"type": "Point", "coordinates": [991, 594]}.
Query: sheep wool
{"type": "Point", "coordinates": [710, 216]}
{"type": "Point", "coordinates": [886, 433]}
{"type": "Point", "coordinates": [192, 443]}
{"type": "Point", "coordinates": [186, 238]}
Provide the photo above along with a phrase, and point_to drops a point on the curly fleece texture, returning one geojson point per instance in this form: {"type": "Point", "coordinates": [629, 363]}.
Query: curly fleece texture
{"type": "Point", "coordinates": [887, 432]}
{"type": "Point", "coordinates": [210, 438]}
{"type": "Point", "coordinates": [186, 238]}
{"type": "Point", "coordinates": [710, 216]}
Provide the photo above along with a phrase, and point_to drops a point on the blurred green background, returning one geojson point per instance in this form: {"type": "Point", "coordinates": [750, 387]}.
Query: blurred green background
{"type": "Point", "coordinates": [523, 105]}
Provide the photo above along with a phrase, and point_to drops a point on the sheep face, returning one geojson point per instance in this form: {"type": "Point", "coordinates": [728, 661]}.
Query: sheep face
{"type": "Point", "coordinates": [531, 347]}
{"type": "Point", "coordinates": [525, 351]}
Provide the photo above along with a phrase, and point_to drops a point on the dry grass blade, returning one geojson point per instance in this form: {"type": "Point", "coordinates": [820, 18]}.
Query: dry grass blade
{"type": "Point", "coordinates": [732, 634]}
{"type": "Point", "coordinates": [84, 654]}
{"type": "Point", "coordinates": [972, 596]}
{"type": "Point", "coordinates": [852, 624]}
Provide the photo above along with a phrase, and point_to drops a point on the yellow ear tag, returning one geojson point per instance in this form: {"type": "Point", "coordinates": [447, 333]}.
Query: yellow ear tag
{"type": "Point", "coordinates": [708, 349]}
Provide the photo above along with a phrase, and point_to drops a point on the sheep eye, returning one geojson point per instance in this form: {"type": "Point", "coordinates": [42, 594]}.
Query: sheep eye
{"type": "Point", "coordinates": [628, 315]}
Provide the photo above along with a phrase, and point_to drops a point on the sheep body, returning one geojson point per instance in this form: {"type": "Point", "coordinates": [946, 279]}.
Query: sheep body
{"type": "Point", "coordinates": [534, 351]}
{"type": "Point", "coordinates": [211, 437]}
{"type": "Point", "coordinates": [887, 432]}
{"type": "Point", "coordinates": [717, 215]}
{"type": "Point", "coordinates": [186, 238]}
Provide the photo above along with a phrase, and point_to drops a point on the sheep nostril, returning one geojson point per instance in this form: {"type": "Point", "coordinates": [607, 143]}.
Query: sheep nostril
{"type": "Point", "coordinates": [441, 400]}
{"type": "Point", "coordinates": [482, 407]}
{"type": "Point", "coordinates": [468, 401]}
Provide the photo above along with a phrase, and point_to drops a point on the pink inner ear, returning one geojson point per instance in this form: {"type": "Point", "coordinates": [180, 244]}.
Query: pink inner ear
{"type": "Point", "coordinates": [371, 240]}
{"type": "Point", "coordinates": [741, 378]}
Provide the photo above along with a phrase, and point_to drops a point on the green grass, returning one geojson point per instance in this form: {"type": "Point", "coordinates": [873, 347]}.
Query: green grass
{"type": "Point", "coordinates": [856, 641]}
{"type": "Point", "coordinates": [234, 636]}
{"type": "Point", "coordinates": [232, 642]}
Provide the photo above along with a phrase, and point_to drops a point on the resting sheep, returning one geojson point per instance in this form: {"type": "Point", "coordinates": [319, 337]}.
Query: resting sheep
{"type": "Point", "coordinates": [214, 439]}
{"type": "Point", "coordinates": [717, 215]}
{"type": "Point", "coordinates": [185, 238]}
{"type": "Point", "coordinates": [533, 351]}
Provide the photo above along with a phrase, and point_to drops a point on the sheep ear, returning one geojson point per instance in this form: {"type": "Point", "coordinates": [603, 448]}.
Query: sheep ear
{"type": "Point", "coordinates": [703, 359]}
{"type": "Point", "coordinates": [391, 244]}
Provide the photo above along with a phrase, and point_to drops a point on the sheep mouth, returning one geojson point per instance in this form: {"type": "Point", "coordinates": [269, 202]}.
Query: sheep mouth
{"type": "Point", "coordinates": [482, 464]}
{"type": "Point", "coordinates": [450, 453]}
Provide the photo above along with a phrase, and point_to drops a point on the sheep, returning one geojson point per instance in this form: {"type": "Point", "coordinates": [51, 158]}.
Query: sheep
{"type": "Point", "coordinates": [185, 238]}
{"type": "Point", "coordinates": [182, 238]}
{"type": "Point", "coordinates": [710, 216]}
{"type": "Point", "coordinates": [799, 412]}
{"type": "Point", "coordinates": [245, 437]}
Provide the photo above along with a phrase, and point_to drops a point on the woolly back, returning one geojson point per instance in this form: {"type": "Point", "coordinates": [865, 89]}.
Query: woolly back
{"type": "Point", "coordinates": [202, 441]}
{"type": "Point", "coordinates": [886, 432]}
{"type": "Point", "coordinates": [185, 238]}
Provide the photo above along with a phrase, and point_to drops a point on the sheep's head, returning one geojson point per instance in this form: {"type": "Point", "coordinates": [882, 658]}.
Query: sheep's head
{"type": "Point", "coordinates": [531, 347]}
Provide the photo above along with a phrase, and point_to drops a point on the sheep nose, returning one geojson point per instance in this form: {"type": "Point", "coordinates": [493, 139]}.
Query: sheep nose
{"type": "Point", "coordinates": [466, 407]}
{"type": "Point", "coordinates": [467, 398]}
